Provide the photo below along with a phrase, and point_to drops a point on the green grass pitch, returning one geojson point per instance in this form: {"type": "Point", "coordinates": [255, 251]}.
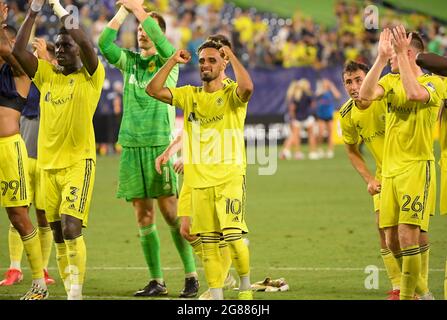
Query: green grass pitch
{"type": "Point", "coordinates": [311, 223]}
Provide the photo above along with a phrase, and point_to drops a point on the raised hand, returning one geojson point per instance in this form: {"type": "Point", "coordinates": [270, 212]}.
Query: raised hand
{"type": "Point", "coordinates": [225, 51]}
{"type": "Point", "coordinates": [182, 56]}
{"type": "Point", "coordinates": [37, 5]}
{"type": "Point", "coordinates": [385, 46]}
{"type": "Point", "coordinates": [40, 46]}
{"type": "Point", "coordinates": [3, 13]}
{"type": "Point", "coordinates": [400, 41]}
{"type": "Point", "coordinates": [131, 5]}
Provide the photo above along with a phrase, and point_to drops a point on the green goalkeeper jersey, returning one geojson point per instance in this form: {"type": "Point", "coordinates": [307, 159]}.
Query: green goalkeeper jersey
{"type": "Point", "coordinates": [146, 121]}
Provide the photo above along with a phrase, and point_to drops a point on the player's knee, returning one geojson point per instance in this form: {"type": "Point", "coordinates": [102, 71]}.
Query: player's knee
{"type": "Point", "coordinates": [18, 218]}
{"type": "Point", "coordinates": [71, 227]}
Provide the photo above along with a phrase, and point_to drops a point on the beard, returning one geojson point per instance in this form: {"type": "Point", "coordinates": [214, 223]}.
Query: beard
{"type": "Point", "coordinates": [207, 77]}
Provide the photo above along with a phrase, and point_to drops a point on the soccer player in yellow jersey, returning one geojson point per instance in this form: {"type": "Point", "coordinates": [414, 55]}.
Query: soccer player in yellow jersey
{"type": "Point", "coordinates": [214, 155]}
{"type": "Point", "coordinates": [365, 121]}
{"type": "Point", "coordinates": [14, 178]}
{"type": "Point", "coordinates": [438, 64]}
{"type": "Point", "coordinates": [409, 182]}
{"type": "Point", "coordinates": [66, 146]}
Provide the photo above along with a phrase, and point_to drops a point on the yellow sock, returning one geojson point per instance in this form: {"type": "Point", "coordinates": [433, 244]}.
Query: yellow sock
{"type": "Point", "coordinates": [46, 239]}
{"type": "Point", "coordinates": [77, 259]}
{"type": "Point", "coordinates": [425, 255]}
{"type": "Point", "coordinates": [240, 257]}
{"type": "Point", "coordinates": [31, 244]}
{"type": "Point", "coordinates": [411, 270]}
{"type": "Point", "coordinates": [225, 252]}
{"type": "Point", "coordinates": [62, 264]}
{"type": "Point", "coordinates": [15, 248]}
{"type": "Point", "coordinates": [212, 260]}
{"type": "Point", "coordinates": [392, 267]}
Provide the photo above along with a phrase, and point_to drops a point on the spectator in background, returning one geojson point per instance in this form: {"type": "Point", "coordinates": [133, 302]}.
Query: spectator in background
{"type": "Point", "coordinates": [300, 104]}
{"type": "Point", "coordinates": [327, 94]}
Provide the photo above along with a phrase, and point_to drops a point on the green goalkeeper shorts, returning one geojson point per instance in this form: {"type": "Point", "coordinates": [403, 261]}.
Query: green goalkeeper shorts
{"type": "Point", "coordinates": [138, 178]}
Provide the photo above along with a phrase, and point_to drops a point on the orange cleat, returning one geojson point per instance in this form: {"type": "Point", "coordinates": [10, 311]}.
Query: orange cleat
{"type": "Point", "coordinates": [393, 295]}
{"type": "Point", "coordinates": [12, 276]}
{"type": "Point", "coordinates": [48, 279]}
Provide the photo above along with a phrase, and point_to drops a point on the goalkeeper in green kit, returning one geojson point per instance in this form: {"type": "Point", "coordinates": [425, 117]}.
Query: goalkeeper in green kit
{"type": "Point", "coordinates": [146, 130]}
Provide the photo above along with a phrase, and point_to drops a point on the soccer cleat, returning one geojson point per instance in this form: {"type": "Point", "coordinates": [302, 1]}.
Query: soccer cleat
{"type": "Point", "coordinates": [245, 295]}
{"type": "Point", "coordinates": [191, 288]}
{"type": "Point", "coordinates": [393, 294]}
{"type": "Point", "coordinates": [35, 293]}
{"type": "Point", "coordinates": [12, 276]}
{"type": "Point", "coordinates": [230, 282]}
{"type": "Point", "coordinates": [153, 289]}
{"type": "Point", "coordinates": [48, 279]}
{"type": "Point", "coordinates": [330, 154]}
{"type": "Point", "coordinates": [206, 295]}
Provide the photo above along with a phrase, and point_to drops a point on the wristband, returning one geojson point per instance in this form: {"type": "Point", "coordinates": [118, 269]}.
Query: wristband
{"type": "Point", "coordinates": [121, 15]}
{"type": "Point", "coordinates": [58, 9]}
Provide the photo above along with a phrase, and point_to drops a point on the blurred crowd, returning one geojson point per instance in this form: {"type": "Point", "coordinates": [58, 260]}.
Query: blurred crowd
{"type": "Point", "coordinates": [260, 39]}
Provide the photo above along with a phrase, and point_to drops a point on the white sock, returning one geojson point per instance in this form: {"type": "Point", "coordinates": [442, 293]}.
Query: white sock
{"type": "Point", "coordinates": [216, 293]}
{"type": "Point", "coordinates": [15, 265]}
{"type": "Point", "coordinates": [245, 283]}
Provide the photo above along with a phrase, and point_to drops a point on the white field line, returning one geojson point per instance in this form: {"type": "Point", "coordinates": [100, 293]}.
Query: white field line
{"type": "Point", "coordinates": [340, 269]}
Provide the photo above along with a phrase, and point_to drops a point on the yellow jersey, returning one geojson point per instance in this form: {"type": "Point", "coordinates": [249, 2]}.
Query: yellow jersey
{"type": "Point", "coordinates": [367, 125]}
{"type": "Point", "coordinates": [67, 105]}
{"type": "Point", "coordinates": [213, 134]}
{"type": "Point", "coordinates": [409, 125]}
{"type": "Point", "coordinates": [443, 129]}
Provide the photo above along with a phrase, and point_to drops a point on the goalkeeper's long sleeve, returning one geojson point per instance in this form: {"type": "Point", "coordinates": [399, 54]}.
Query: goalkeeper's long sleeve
{"type": "Point", "coordinates": [164, 48]}
{"type": "Point", "coordinates": [108, 47]}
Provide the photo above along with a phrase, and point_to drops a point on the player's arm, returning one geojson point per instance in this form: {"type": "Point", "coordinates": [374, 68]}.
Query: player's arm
{"type": "Point", "coordinates": [108, 36]}
{"type": "Point", "coordinates": [245, 84]}
{"type": "Point", "coordinates": [89, 57]}
{"type": "Point", "coordinates": [26, 59]}
{"type": "Point", "coordinates": [156, 88]}
{"type": "Point", "coordinates": [174, 147]}
{"type": "Point", "coordinates": [370, 89]}
{"type": "Point", "coordinates": [360, 166]}
{"type": "Point", "coordinates": [413, 89]}
{"type": "Point", "coordinates": [433, 63]}
{"type": "Point", "coordinates": [164, 48]}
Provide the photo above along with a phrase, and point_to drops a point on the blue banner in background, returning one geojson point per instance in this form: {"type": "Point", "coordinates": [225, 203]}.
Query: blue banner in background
{"type": "Point", "coordinates": [271, 86]}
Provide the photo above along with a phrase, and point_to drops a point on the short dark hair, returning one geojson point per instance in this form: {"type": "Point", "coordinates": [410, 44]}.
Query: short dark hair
{"type": "Point", "coordinates": [10, 30]}
{"type": "Point", "coordinates": [416, 41]}
{"type": "Point", "coordinates": [220, 38]}
{"type": "Point", "coordinates": [210, 44]}
{"type": "Point", "coordinates": [161, 22]}
{"type": "Point", "coordinates": [353, 66]}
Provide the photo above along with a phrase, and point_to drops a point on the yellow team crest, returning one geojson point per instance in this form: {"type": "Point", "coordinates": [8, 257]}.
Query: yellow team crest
{"type": "Point", "coordinates": [151, 66]}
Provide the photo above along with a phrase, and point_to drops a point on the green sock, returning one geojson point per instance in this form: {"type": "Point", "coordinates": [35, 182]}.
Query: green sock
{"type": "Point", "coordinates": [184, 249]}
{"type": "Point", "coordinates": [150, 243]}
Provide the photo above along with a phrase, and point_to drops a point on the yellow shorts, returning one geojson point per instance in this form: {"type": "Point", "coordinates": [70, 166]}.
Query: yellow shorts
{"type": "Point", "coordinates": [443, 191]}
{"type": "Point", "coordinates": [14, 175]}
{"type": "Point", "coordinates": [69, 191]}
{"type": "Point", "coordinates": [409, 198]}
{"type": "Point", "coordinates": [36, 188]}
{"type": "Point", "coordinates": [184, 202]}
{"type": "Point", "coordinates": [376, 200]}
{"type": "Point", "coordinates": [220, 207]}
